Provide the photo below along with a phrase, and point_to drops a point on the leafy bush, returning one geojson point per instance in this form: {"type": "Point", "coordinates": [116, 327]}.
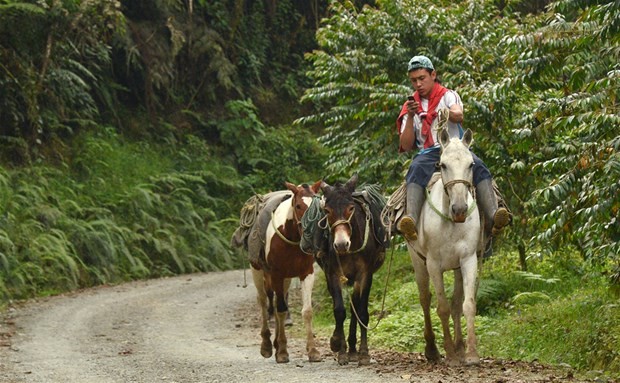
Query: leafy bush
{"type": "Point", "coordinates": [124, 211]}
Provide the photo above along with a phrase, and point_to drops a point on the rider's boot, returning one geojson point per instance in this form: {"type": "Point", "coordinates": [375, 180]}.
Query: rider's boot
{"type": "Point", "coordinates": [415, 199]}
{"type": "Point", "coordinates": [495, 218]}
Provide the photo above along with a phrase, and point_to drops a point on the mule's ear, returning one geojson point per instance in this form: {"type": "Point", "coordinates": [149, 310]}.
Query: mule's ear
{"type": "Point", "coordinates": [352, 182]}
{"type": "Point", "coordinates": [324, 186]}
{"type": "Point", "coordinates": [316, 186]}
{"type": "Point", "coordinates": [468, 137]}
{"type": "Point", "coordinates": [444, 137]}
{"type": "Point", "coordinates": [290, 186]}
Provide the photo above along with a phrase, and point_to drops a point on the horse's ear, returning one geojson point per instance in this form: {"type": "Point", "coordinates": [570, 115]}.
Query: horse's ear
{"type": "Point", "coordinates": [352, 182]}
{"type": "Point", "coordinates": [290, 186]}
{"type": "Point", "coordinates": [468, 138]}
{"type": "Point", "coordinates": [316, 186]}
{"type": "Point", "coordinates": [444, 137]}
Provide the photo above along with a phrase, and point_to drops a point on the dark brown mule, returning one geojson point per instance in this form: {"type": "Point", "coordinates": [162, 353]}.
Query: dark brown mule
{"type": "Point", "coordinates": [354, 252]}
{"type": "Point", "coordinates": [280, 260]}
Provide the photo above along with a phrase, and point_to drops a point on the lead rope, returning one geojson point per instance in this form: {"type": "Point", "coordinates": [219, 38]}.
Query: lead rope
{"type": "Point", "coordinates": [344, 279]}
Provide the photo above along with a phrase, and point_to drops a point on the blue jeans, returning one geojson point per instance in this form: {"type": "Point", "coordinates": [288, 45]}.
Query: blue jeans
{"type": "Point", "coordinates": [423, 165]}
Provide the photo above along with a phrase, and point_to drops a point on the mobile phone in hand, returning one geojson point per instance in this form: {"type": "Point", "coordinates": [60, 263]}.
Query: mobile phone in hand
{"type": "Point", "coordinates": [410, 98]}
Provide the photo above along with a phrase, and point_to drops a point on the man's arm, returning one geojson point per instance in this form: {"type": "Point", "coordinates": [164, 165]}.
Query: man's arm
{"type": "Point", "coordinates": [456, 113]}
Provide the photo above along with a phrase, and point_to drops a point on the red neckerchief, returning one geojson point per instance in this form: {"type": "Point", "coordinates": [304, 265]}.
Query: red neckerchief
{"type": "Point", "coordinates": [435, 97]}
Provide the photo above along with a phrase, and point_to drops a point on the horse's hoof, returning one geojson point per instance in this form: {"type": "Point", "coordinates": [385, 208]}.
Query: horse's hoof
{"type": "Point", "coordinates": [363, 360]}
{"type": "Point", "coordinates": [314, 356]}
{"type": "Point", "coordinates": [266, 350]}
{"type": "Point", "coordinates": [343, 359]}
{"type": "Point", "coordinates": [353, 356]}
{"type": "Point", "coordinates": [453, 362]}
{"type": "Point", "coordinates": [432, 354]}
{"type": "Point", "coordinates": [472, 359]}
{"type": "Point", "coordinates": [282, 358]}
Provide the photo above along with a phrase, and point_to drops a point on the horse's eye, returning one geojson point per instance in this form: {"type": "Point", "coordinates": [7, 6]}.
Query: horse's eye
{"type": "Point", "coordinates": [328, 210]}
{"type": "Point", "coordinates": [442, 165]}
{"type": "Point", "coordinates": [298, 206]}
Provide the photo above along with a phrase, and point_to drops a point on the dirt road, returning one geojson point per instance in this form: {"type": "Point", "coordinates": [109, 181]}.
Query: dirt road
{"type": "Point", "coordinates": [197, 328]}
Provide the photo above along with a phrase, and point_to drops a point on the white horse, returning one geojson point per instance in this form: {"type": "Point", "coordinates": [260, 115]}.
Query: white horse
{"type": "Point", "coordinates": [448, 239]}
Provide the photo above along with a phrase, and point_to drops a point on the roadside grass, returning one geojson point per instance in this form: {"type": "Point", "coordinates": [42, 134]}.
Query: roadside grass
{"type": "Point", "coordinates": [560, 312]}
{"type": "Point", "coordinates": [118, 211]}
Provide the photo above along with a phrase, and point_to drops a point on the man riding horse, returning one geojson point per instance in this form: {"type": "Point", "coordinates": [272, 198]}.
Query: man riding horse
{"type": "Point", "coordinates": [417, 126]}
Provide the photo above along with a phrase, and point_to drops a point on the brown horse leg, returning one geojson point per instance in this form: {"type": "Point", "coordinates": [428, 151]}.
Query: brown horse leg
{"type": "Point", "coordinates": [260, 282]}
{"type": "Point", "coordinates": [306, 312]}
{"type": "Point", "coordinates": [337, 342]}
{"type": "Point", "coordinates": [422, 280]}
{"type": "Point", "coordinates": [280, 339]}
{"type": "Point", "coordinates": [362, 309]}
{"type": "Point", "coordinates": [457, 312]}
{"type": "Point", "coordinates": [352, 338]}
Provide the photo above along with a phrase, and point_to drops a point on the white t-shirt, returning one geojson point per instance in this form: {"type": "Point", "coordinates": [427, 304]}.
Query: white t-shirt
{"type": "Point", "coordinates": [454, 129]}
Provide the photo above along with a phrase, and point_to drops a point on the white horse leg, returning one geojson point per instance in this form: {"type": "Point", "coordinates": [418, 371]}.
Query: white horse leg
{"type": "Point", "coordinates": [422, 280]}
{"type": "Point", "coordinates": [457, 312]}
{"type": "Point", "coordinates": [469, 268]}
{"type": "Point", "coordinates": [258, 276]}
{"type": "Point", "coordinates": [443, 310]}
{"type": "Point", "coordinates": [306, 313]}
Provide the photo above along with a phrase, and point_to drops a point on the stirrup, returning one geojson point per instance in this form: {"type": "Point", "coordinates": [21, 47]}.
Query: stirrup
{"type": "Point", "coordinates": [407, 228]}
{"type": "Point", "coordinates": [500, 220]}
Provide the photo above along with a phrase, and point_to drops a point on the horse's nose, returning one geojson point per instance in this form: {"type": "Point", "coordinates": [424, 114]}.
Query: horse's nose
{"type": "Point", "coordinates": [342, 246]}
{"type": "Point", "coordinates": [459, 212]}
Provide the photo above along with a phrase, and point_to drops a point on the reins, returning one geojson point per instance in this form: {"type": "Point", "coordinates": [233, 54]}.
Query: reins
{"type": "Point", "coordinates": [343, 281]}
{"type": "Point", "coordinates": [282, 237]}
{"type": "Point", "coordinates": [445, 188]}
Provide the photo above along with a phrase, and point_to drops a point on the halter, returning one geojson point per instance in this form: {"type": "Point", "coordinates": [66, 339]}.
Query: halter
{"type": "Point", "coordinates": [348, 223]}
{"type": "Point", "coordinates": [451, 183]}
{"type": "Point", "coordinates": [448, 184]}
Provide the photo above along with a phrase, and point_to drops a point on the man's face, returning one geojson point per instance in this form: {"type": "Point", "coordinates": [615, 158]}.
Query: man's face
{"type": "Point", "coordinates": [422, 81]}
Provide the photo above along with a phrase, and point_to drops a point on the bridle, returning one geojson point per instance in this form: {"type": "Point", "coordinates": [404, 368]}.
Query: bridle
{"type": "Point", "coordinates": [451, 183]}
{"type": "Point", "coordinates": [297, 221]}
{"type": "Point", "coordinates": [347, 221]}
{"type": "Point", "coordinates": [447, 185]}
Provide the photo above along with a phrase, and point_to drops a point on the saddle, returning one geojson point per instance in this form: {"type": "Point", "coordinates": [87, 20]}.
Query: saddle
{"type": "Point", "coordinates": [396, 205]}
{"type": "Point", "coordinates": [254, 218]}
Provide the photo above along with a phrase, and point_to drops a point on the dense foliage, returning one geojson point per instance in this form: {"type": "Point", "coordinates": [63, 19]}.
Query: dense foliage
{"type": "Point", "coordinates": [540, 92]}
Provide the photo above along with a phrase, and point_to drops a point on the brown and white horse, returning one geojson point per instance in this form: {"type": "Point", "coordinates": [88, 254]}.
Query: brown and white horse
{"type": "Point", "coordinates": [280, 260]}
